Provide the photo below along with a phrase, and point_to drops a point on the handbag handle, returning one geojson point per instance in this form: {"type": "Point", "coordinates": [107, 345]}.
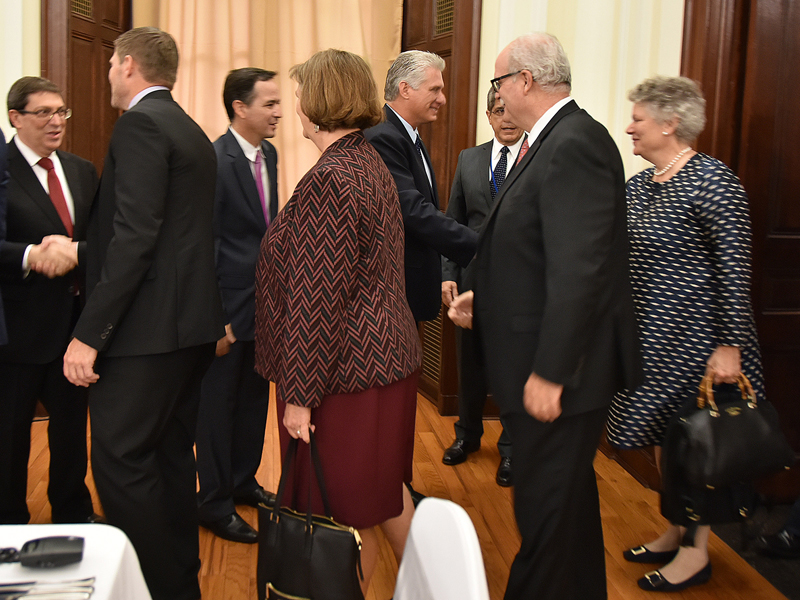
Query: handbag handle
{"type": "Point", "coordinates": [314, 461]}
{"type": "Point", "coordinates": [706, 392]}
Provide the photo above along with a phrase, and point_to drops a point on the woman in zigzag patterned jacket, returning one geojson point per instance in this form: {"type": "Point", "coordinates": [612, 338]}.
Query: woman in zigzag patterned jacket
{"type": "Point", "coordinates": [333, 327]}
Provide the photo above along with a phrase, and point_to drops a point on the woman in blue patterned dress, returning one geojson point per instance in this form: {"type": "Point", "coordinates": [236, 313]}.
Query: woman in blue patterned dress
{"type": "Point", "coordinates": [689, 231]}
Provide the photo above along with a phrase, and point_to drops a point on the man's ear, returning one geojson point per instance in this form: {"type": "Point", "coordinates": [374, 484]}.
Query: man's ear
{"type": "Point", "coordinates": [239, 109]}
{"type": "Point", "coordinates": [404, 89]}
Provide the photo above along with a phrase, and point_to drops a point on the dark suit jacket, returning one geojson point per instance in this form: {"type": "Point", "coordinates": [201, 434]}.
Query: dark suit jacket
{"type": "Point", "coordinates": [238, 228]}
{"type": "Point", "coordinates": [3, 184]}
{"type": "Point", "coordinates": [428, 231]}
{"type": "Point", "coordinates": [39, 311]}
{"type": "Point", "coordinates": [470, 202]}
{"type": "Point", "coordinates": [552, 294]}
{"type": "Point", "coordinates": [151, 281]}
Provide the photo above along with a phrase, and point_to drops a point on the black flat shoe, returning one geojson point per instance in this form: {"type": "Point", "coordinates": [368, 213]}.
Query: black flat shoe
{"type": "Point", "coordinates": [640, 554]}
{"type": "Point", "coordinates": [232, 527]}
{"type": "Point", "coordinates": [416, 497]}
{"type": "Point", "coordinates": [504, 475]}
{"type": "Point", "coordinates": [458, 451]}
{"type": "Point", "coordinates": [654, 581]}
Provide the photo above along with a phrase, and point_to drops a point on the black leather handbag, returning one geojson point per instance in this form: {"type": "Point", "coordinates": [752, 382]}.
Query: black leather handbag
{"type": "Point", "coordinates": [736, 439]}
{"type": "Point", "coordinates": [304, 555]}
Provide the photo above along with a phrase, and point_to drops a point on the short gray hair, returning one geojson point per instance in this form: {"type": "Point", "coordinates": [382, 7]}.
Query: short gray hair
{"type": "Point", "coordinates": [491, 99]}
{"type": "Point", "coordinates": [410, 66]}
{"type": "Point", "coordinates": [668, 97]}
{"type": "Point", "coordinates": [542, 55]}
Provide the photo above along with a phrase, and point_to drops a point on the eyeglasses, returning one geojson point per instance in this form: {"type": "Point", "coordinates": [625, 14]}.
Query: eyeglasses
{"type": "Point", "coordinates": [496, 81]}
{"type": "Point", "coordinates": [46, 116]}
{"type": "Point", "coordinates": [499, 112]}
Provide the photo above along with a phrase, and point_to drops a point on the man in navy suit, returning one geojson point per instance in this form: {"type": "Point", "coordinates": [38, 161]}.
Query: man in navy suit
{"type": "Point", "coordinates": [233, 406]}
{"type": "Point", "coordinates": [480, 175]}
{"type": "Point", "coordinates": [414, 94]}
{"type": "Point", "coordinates": [43, 259]}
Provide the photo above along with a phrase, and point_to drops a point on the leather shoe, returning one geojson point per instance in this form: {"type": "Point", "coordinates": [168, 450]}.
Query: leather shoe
{"type": "Point", "coordinates": [416, 497]}
{"type": "Point", "coordinates": [781, 545]}
{"type": "Point", "coordinates": [255, 497]}
{"type": "Point", "coordinates": [232, 527]}
{"type": "Point", "coordinates": [654, 581]}
{"type": "Point", "coordinates": [640, 554]}
{"type": "Point", "coordinates": [504, 472]}
{"type": "Point", "coordinates": [458, 451]}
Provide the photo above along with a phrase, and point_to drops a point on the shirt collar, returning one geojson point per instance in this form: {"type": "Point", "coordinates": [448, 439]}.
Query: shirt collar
{"type": "Point", "coordinates": [249, 150]}
{"type": "Point", "coordinates": [30, 156]}
{"type": "Point", "coordinates": [513, 149]}
{"type": "Point", "coordinates": [412, 132]}
{"type": "Point", "coordinates": [144, 93]}
{"type": "Point", "coordinates": [546, 118]}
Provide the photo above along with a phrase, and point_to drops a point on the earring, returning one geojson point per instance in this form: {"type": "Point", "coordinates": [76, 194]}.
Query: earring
{"type": "Point", "coordinates": [316, 128]}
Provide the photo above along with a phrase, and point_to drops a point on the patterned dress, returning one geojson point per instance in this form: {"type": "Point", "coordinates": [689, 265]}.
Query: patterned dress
{"type": "Point", "coordinates": [690, 272]}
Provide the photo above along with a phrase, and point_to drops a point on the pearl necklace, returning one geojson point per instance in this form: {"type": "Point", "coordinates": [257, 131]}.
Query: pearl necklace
{"type": "Point", "coordinates": [660, 172]}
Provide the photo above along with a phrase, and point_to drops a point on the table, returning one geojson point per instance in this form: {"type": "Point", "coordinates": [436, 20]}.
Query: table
{"type": "Point", "coordinates": [107, 555]}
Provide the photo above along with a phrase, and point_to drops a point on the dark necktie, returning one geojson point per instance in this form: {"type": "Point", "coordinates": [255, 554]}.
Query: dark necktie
{"type": "Point", "coordinates": [57, 194]}
{"type": "Point", "coordinates": [418, 145]}
{"type": "Point", "coordinates": [522, 150]}
{"type": "Point", "coordinates": [500, 172]}
{"type": "Point", "coordinates": [260, 187]}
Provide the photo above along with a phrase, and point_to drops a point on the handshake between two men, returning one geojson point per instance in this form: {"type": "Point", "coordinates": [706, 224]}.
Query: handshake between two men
{"type": "Point", "coordinates": [57, 255]}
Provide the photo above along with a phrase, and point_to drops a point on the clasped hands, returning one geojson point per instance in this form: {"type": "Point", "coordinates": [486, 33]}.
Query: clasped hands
{"type": "Point", "coordinates": [57, 255]}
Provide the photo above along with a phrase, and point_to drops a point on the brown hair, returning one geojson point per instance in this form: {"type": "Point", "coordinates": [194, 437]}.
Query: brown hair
{"type": "Point", "coordinates": [154, 51]}
{"type": "Point", "coordinates": [24, 87]}
{"type": "Point", "coordinates": [338, 91]}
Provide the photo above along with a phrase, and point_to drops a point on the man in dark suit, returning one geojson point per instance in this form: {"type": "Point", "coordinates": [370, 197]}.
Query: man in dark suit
{"type": "Point", "coordinates": [480, 175]}
{"type": "Point", "coordinates": [50, 194]}
{"type": "Point", "coordinates": [554, 312]}
{"type": "Point", "coordinates": [414, 94]}
{"type": "Point", "coordinates": [3, 184]}
{"type": "Point", "coordinates": [153, 314]}
{"type": "Point", "coordinates": [233, 406]}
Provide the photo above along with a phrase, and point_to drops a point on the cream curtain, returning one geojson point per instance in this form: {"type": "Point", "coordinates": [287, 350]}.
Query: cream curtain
{"type": "Point", "coordinates": [215, 36]}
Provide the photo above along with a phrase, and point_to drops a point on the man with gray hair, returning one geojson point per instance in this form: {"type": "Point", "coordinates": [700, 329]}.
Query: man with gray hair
{"type": "Point", "coordinates": [414, 94]}
{"type": "Point", "coordinates": [554, 313]}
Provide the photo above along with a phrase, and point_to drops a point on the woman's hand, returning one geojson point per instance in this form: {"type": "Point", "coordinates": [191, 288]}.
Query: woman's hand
{"type": "Point", "coordinates": [297, 420]}
{"type": "Point", "coordinates": [725, 363]}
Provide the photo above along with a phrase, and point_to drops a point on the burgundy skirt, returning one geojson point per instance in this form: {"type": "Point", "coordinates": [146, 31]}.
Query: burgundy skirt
{"type": "Point", "coordinates": [366, 447]}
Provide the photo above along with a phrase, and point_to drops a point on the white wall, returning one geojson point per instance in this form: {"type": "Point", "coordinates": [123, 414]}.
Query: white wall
{"type": "Point", "coordinates": [20, 47]}
{"type": "Point", "coordinates": [612, 45]}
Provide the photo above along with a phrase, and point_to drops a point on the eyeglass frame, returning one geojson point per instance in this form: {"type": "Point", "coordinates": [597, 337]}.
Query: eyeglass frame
{"type": "Point", "coordinates": [495, 83]}
{"type": "Point", "coordinates": [64, 113]}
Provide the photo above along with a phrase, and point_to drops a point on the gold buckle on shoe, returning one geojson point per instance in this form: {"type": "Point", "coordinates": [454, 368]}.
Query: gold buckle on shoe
{"type": "Point", "coordinates": [638, 551]}
{"type": "Point", "coordinates": [659, 579]}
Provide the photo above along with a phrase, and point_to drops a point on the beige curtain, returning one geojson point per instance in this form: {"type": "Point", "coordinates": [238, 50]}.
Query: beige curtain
{"type": "Point", "coordinates": [215, 36]}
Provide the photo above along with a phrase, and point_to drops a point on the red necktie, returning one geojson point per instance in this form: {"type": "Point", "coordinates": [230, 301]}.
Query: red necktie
{"type": "Point", "coordinates": [57, 194]}
{"type": "Point", "coordinates": [523, 149]}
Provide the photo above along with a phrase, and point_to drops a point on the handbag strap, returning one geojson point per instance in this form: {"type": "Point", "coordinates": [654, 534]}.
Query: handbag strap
{"type": "Point", "coordinates": [705, 394]}
{"type": "Point", "coordinates": [316, 472]}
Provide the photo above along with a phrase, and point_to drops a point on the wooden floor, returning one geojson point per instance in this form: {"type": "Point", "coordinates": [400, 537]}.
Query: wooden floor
{"type": "Point", "coordinates": [630, 516]}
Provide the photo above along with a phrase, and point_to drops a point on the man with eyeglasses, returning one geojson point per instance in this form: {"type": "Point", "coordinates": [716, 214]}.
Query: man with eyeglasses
{"type": "Point", "coordinates": [480, 175]}
{"type": "Point", "coordinates": [554, 312]}
{"type": "Point", "coordinates": [50, 193]}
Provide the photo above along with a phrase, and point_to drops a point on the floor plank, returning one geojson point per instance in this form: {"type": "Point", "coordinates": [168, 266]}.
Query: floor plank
{"type": "Point", "coordinates": [630, 516]}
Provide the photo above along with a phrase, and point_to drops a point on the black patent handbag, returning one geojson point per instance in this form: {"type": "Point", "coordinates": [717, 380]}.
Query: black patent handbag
{"type": "Point", "coordinates": [302, 555]}
{"type": "Point", "coordinates": [732, 438]}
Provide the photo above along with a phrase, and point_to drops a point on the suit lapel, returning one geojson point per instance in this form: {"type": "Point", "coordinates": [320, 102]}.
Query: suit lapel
{"type": "Point", "coordinates": [23, 174]}
{"type": "Point", "coordinates": [483, 168]}
{"type": "Point", "coordinates": [568, 108]}
{"type": "Point", "coordinates": [80, 196]}
{"type": "Point", "coordinates": [271, 159]}
{"type": "Point", "coordinates": [244, 176]}
{"type": "Point", "coordinates": [395, 120]}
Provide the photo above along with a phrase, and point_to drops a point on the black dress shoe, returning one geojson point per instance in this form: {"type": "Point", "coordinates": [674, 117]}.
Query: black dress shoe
{"type": "Point", "coordinates": [458, 451]}
{"type": "Point", "coordinates": [255, 497]}
{"type": "Point", "coordinates": [781, 545]}
{"type": "Point", "coordinates": [233, 528]}
{"type": "Point", "coordinates": [654, 581]}
{"type": "Point", "coordinates": [504, 473]}
{"type": "Point", "coordinates": [640, 554]}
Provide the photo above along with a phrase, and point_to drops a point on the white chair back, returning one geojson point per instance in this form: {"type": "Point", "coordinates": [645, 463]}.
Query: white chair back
{"type": "Point", "coordinates": [442, 558]}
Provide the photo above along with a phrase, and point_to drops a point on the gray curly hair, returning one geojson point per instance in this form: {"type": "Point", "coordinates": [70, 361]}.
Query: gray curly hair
{"type": "Point", "coordinates": [410, 66]}
{"type": "Point", "coordinates": [542, 55]}
{"type": "Point", "coordinates": [668, 97]}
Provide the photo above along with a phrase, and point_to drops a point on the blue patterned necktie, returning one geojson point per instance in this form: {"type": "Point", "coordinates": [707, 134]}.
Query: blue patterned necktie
{"type": "Point", "coordinates": [500, 171]}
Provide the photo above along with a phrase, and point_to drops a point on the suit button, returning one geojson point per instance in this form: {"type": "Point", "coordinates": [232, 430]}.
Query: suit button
{"type": "Point", "coordinates": [103, 335]}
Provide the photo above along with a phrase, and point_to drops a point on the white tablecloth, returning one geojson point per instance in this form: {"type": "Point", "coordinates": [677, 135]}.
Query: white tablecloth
{"type": "Point", "coordinates": [107, 555]}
